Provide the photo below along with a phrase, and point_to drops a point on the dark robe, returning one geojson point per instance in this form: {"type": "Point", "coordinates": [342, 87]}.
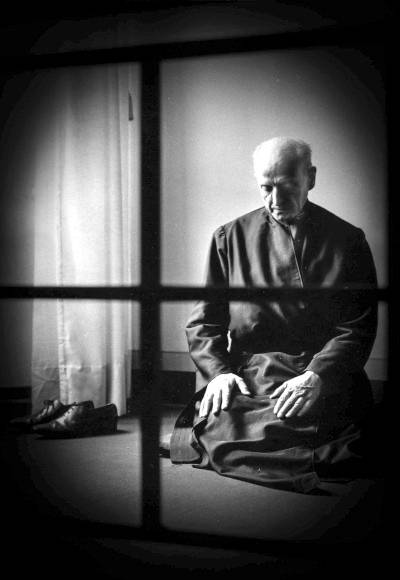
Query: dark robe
{"type": "Point", "coordinates": [268, 342]}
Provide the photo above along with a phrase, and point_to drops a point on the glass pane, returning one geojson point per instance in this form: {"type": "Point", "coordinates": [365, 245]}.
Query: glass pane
{"type": "Point", "coordinates": [216, 110]}
{"type": "Point", "coordinates": [210, 501]}
{"type": "Point", "coordinates": [70, 177]}
{"type": "Point", "coordinates": [71, 351]}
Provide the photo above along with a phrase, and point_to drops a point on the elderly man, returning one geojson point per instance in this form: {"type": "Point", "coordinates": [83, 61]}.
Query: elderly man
{"type": "Point", "coordinates": [282, 390]}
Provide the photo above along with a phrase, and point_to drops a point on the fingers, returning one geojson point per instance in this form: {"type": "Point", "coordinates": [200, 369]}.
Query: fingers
{"type": "Point", "coordinates": [300, 407]}
{"type": "Point", "coordinates": [294, 408]}
{"type": "Point", "coordinates": [219, 393]}
{"type": "Point", "coordinates": [216, 406]}
{"type": "Point", "coordinates": [291, 400]}
{"type": "Point", "coordinates": [294, 397]}
{"type": "Point", "coordinates": [205, 406]}
{"type": "Point", "coordinates": [305, 407]}
{"type": "Point", "coordinates": [225, 397]}
{"type": "Point", "coordinates": [287, 404]}
{"type": "Point", "coordinates": [284, 393]}
{"type": "Point", "coordinates": [242, 386]}
{"type": "Point", "coordinates": [278, 391]}
{"type": "Point", "coordinates": [294, 401]}
{"type": "Point", "coordinates": [212, 401]}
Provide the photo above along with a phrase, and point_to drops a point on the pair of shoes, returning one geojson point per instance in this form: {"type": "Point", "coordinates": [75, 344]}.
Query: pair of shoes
{"type": "Point", "coordinates": [81, 420]}
{"type": "Point", "coordinates": [52, 409]}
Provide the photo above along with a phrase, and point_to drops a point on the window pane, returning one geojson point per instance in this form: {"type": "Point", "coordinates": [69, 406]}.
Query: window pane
{"type": "Point", "coordinates": [202, 500]}
{"type": "Point", "coordinates": [75, 351]}
{"type": "Point", "coordinates": [70, 177]}
{"type": "Point", "coordinates": [216, 110]}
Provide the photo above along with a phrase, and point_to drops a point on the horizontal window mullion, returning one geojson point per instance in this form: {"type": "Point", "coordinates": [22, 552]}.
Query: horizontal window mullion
{"type": "Point", "coordinates": [176, 293]}
{"type": "Point", "coordinates": [330, 35]}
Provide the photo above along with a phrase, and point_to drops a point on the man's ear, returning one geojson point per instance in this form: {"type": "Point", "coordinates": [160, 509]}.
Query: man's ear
{"type": "Point", "coordinates": [312, 171]}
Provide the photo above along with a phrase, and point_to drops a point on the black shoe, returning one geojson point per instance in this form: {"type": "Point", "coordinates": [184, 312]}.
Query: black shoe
{"type": "Point", "coordinates": [52, 409]}
{"type": "Point", "coordinates": [81, 421]}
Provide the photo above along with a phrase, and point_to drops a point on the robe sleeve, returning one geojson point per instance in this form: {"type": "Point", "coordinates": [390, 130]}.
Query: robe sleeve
{"type": "Point", "coordinates": [353, 334]}
{"type": "Point", "coordinates": [208, 325]}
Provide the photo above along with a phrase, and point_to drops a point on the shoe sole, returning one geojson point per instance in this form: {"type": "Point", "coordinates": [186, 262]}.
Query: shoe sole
{"type": "Point", "coordinates": [86, 431]}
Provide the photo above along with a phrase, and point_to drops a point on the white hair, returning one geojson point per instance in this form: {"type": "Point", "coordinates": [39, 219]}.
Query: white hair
{"type": "Point", "coordinates": [296, 148]}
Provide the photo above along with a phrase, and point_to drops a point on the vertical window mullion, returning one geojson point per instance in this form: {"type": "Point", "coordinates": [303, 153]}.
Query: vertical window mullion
{"type": "Point", "coordinates": [149, 405]}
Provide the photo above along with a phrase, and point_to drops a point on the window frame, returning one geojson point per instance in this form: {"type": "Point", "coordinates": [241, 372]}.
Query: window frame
{"type": "Point", "coordinates": [150, 293]}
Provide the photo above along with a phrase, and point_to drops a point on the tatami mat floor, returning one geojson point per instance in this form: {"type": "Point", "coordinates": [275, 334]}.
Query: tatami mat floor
{"type": "Point", "coordinates": [98, 479]}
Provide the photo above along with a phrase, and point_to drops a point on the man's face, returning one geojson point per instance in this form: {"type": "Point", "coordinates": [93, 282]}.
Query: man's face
{"type": "Point", "coordinates": [284, 183]}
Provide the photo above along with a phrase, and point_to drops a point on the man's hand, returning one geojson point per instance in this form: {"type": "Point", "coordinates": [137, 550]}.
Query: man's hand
{"type": "Point", "coordinates": [219, 392]}
{"type": "Point", "coordinates": [297, 395]}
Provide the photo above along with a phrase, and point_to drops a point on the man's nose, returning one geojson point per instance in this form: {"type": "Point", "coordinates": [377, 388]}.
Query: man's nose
{"type": "Point", "coordinates": [277, 195]}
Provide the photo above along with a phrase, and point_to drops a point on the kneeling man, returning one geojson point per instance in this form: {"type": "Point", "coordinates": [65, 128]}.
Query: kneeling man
{"type": "Point", "coordinates": [282, 390]}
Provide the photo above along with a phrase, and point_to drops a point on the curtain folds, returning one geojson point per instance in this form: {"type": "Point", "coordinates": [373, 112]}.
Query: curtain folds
{"type": "Point", "coordinates": [85, 231]}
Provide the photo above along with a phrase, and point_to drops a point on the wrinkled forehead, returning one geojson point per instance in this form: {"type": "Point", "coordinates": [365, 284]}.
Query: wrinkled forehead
{"type": "Point", "coordinates": [276, 163]}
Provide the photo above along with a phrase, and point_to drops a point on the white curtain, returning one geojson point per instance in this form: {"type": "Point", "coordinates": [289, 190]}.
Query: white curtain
{"type": "Point", "coordinates": [85, 231]}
